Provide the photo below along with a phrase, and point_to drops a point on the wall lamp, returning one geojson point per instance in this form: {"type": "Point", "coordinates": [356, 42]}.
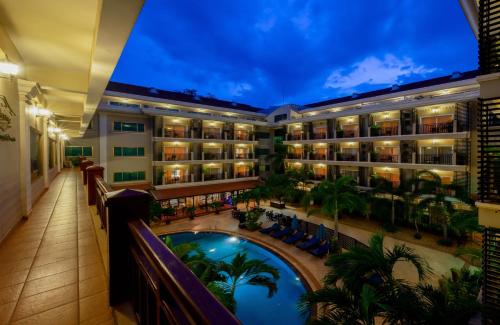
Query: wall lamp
{"type": "Point", "coordinates": [39, 111]}
{"type": "Point", "coordinates": [8, 68]}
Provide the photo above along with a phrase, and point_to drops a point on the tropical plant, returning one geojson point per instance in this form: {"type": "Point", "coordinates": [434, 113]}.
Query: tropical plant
{"type": "Point", "coordinates": [300, 176]}
{"type": "Point", "coordinates": [463, 222]}
{"type": "Point", "coordinates": [372, 265]}
{"type": "Point", "coordinates": [280, 187]}
{"type": "Point", "coordinates": [252, 219]}
{"type": "Point", "coordinates": [191, 210]}
{"type": "Point", "coordinates": [335, 197]}
{"type": "Point", "coordinates": [242, 270]}
{"type": "Point", "coordinates": [341, 306]}
{"type": "Point", "coordinates": [454, 300]}
{"type": "Point", "coordinates": [278, 156]}
{"type": "Point", "coordinates": [383, 186]}
{"type": "Point", "coordinates": [216, 205]}
{"type": "Point", "coordinates": [260, 193]}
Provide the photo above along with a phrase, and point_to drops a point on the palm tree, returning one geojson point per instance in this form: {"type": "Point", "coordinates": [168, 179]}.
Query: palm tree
{"type": "Point", "coordinates": [300, 176]}
{"type": "Point", "coordinates": [259, 193]}
{"type": "Point", "coordinates": [242, 270]}
{"type": "Point", "coordinates": [463, 222]}
{"type": "Point", "coordinates": [341, 306]}
{"type": "Point", "coordinates": [335, 197]}
{"type": "Point", "coordinates": [430, 184]}
{"type": "Point", "coordinates": [372, 265]}
{"type": "Point", "coordinates": [383, 186]}
{"type": "Point", "coordinates": [278, 156]}
{"type": "Point", "coordinates": [280, 186]}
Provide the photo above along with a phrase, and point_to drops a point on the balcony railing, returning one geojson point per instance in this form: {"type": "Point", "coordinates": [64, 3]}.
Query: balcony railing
{"type": "Point", "coordinates": [213, 176]}
{"type": "Point", "coordinates": [212, 135]}
{"type": "Point", "coordinates": [242, 136]}
{"type": "Point", "coordinates": [247, 155]}
{"type": "Point", "coordinates": [317, 156]}
{"type": "Point", "coordinates": [243, 174]}
{"type": "Point", "coordinates": [176, 134]}
{"type": "Point", "coordinates": [436, 128]}
{"type": "Point", "coordinates": [346, 156]}
{"type": "Point", "coordinates": [146, 274]}
{"type": "Point", "coordinates": [292, 137]}
{"type": "Point", "coordinates": [435, 159]}
{"type": "Point", "coordinates": [317, 136]}
{"type": "Point", "coordinates": [292, 155]}
{"type": "Point", "coordinates": [176, 179]}
{"type": "Point", "coordinates": [347, 133]}
{"type": "Point", "coordinates": [377, 157]}
{"type": "Point", "coordinates": [176, 156]}
{"type": "Point", "coordinates": [384, 131]}
{"type": "Point", "coordinates": [213, 156]}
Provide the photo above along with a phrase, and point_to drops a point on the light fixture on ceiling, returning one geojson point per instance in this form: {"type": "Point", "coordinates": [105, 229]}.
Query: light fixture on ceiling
{"type": "Point", "coordinates": [63, 137]}
{"type": "Point", "coordinates": [8, 68]}
{"type": "Point", "coordinates": [54, 129]}
{"type": "Point", "coordinates": [40, 111]}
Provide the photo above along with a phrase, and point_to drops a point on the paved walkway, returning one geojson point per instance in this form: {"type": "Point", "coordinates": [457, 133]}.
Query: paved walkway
{"type": "Point", "coordinates": [51, 269]}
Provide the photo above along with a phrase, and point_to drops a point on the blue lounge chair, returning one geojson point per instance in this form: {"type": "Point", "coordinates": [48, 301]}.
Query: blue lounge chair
{"type": "Point", "coordinates": [282, 233]}
{"type": "Point", "coordinates": [269, 230]}
{"type": "Point", "coordinates": [295, 237]}
{"type": "Point", "coordinates": [310, 243]}
{"type": "Point", "coordinates": [321, 250]}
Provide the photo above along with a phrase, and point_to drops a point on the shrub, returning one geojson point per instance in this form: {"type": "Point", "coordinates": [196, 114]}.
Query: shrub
{"type": "Point", "coordinates": [252, 220]}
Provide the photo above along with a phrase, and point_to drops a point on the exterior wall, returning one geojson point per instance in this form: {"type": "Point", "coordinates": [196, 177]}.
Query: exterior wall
{"type": "Point", "coordinates": [91, 138]}
{"type": "Point", "coordinates": [129, 139]}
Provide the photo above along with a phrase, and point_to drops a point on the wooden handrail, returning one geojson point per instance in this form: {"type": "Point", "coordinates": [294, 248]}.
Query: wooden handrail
{"type": "Point", "coordinates": [181, 297]}
{"type": "Point", "coordinates": [101, 189]}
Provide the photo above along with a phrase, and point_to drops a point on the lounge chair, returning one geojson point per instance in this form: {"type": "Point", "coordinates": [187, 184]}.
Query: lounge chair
{"type": "Point", "coordinates": [310, 243]}
{"type": "Point", "coordinates": [295, 237]}
{"type": "Point", "coordinates": [269, 230]}
{"type": "Point", "coordinates": [282, 233]}
{"type": "Point", "coordinates": [321, 250]}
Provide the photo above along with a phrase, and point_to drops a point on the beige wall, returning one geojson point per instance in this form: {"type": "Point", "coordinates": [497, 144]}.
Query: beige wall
{"type": "Point", "coordinates": [129, 139]}
{"type": "Point", "coordinates": [10, 207]}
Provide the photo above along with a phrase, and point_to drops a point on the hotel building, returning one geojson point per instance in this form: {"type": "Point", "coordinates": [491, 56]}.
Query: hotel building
{"type": "Point", "coordinates": [163, 139]}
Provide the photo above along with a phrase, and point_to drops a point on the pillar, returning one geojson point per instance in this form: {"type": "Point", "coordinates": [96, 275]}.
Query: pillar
{"type": "Point", "coordinates": [92, 173]}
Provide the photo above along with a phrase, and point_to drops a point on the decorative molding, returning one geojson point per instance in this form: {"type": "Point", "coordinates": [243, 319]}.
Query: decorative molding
{"type": "Point", "coordinates": [6, 115]}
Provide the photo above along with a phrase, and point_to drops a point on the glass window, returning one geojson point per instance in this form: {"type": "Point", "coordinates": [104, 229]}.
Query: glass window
{"type": "Point", "coordinates": [35, 154]}
{"type": "Point", "coordinates": [140, 151]}
{"type": "Point", "coordinates": [117, 151]}
{"type": "Point", "coordinates": [141, 176]}
{"type": "Point", "coordinates": [117, 126]}
{"type": "Point", "coordinates": [129, 127]}
{"type": "Point", "coordinates": [118, 177]}
{"type": "Point", "coordinates": [87, 151]}
{"type": "Point", "coordinates": [129, 152]}
{"type": "Point", "coordinates": [140, 127]}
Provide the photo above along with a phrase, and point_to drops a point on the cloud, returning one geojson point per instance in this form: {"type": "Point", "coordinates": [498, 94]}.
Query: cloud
{"type": "Point", "coordinates": [374, 71]}
{"type": "Point", "coordinates": [267, 21]}
{"type": "Point", "coordinates": [238, 89]}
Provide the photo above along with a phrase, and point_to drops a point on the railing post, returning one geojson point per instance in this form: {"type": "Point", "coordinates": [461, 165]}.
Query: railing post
{"type": "Point", "coordinates": [369, 157]}
{"type": "Point", "coordinates": [454, 158]}
{"type": "Point", "coordinates": [92, 172]}
{"type": "Point", "coordinates": [83, 167]}
{"type": "Point", "coordinates": [413, 158]}
{"type": "Point", "coordinates": [123, 206]}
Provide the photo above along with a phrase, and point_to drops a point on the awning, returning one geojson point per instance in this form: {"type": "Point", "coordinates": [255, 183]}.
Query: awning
{"type": "Point", "coordinates": [188, 191]}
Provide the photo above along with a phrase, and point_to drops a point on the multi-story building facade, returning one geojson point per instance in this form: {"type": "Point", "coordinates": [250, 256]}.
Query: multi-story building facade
{"type": "Point", "coordinates": [167, 139]}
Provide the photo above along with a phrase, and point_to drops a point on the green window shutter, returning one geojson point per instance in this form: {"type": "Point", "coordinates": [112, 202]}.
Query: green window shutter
{"type": "Point", "coordinates": [129, 127]}
{"type": "Point", "coordinates": [140, 127]}
{"type": "Point", "coordinates": [133, 176]}
{"type": "Point", "coordinates": [141, 176]}
{"type": "Point", "coordinates": [126, 176]}
{"type": "Point", "coordinates": [118, 177]}
{"type": "Point", "coordinates": [117, 151]}
{"type": "Point", "coordinates": [117, 126]}
{"type": "Point", "coordinates": [87, 151]}
{"type": "Point", "coordinates": [140, 151]}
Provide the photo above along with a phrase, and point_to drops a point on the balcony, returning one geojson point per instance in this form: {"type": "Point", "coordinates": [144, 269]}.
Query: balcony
{"type": "Point", "coordinates": [213, 176]}
{"type": "Point", "coordinates": [292, 155]}
{"type": "Point", "coordinates": [317, 156]}
{"type": "Point", "coordinates": [212, 135]}
{"type": "Point", "coordinates": [168, 133]}
{"type": "Point", "coordinates": [387, 158]}
{"type": "Point", "coordinates": [294, 137]}
{"type": "Point", "coordinates": [212, 156]}
{"type": "Point", "coordinates": [436, 128]}
{"type": "Point", "coordinates": [242, 136]}
{"type": "Point", "coordinates": [243, 174]}
{"type": "Point", "coordinates": [319, 135]}
{"type": "Point", "coordinates": [347, 133]}
{"type": "Point", "coordinates": [384, 131]}
{"type": "Point", "coordinates": [436, 159]}
{"type": "Point", "coordinates": [176, 156]}
{"type": "Point", "coordinates": [347, 156]}
{"type": "Point", "coordinates": [318, 177]}
{"type": "Point", "coordinates": [177, 179]}
{"type": "Point", "coordinates": [244, 155]}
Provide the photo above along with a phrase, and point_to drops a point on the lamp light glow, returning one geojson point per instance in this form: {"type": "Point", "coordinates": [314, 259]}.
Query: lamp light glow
{"type": "Point", "coordinates": [9, 68]}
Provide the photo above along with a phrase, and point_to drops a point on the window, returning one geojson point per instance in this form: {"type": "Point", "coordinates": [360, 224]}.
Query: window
{"type": "Point", "coordinates": [128, 127]}
{"type": "Point", "coordinates": [121, 104]}
{"type": "Point", "coordinates": [129, 176]}
{"type": "Point", "coordinates": [35, 154]}
{"type": "Point", "coordinates": [78, 151]}
{"type": "Point", "coordinates": [128, 151]}
{"type": "Point", "coordinates": [262, 135]}
{"type": "Point", "coordinates": [261, 151]}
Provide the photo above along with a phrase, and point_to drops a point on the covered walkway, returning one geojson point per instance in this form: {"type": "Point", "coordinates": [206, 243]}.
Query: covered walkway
{"type": "Point", "coordinates": [51, 268]}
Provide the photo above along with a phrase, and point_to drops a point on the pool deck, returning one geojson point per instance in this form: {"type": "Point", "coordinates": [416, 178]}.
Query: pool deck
{"type": "Point", "coordinates": [311, 267]}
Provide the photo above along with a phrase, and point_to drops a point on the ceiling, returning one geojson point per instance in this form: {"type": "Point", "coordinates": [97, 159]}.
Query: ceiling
{"type": "Point", "coordinates": [65, 46]}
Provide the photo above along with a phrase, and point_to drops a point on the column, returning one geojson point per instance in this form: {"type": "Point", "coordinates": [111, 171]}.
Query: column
{"type": "Point", "coordinates": [103, 144]}
{"type": "Point", "coordinates": [45, 152]}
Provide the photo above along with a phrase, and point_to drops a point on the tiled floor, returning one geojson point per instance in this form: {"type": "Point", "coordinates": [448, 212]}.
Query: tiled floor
{"type": "Point", "coordinates": [51, 271]}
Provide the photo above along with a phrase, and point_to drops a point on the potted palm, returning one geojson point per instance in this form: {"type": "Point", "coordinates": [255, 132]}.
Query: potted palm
{"type": "Point", "coordinates": [216, 205]}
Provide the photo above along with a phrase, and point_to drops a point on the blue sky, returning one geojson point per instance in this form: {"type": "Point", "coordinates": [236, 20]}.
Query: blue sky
{"type": "Point", "coordinates": [265, 53]}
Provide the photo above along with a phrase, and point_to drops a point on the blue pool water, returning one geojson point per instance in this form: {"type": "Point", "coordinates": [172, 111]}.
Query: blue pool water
{"type": "Point", "coordinates": [253, 305]}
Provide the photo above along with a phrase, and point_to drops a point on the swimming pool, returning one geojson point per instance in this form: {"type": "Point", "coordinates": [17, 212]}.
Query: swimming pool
{"type": "Point", "coordinates": [253, 305]}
